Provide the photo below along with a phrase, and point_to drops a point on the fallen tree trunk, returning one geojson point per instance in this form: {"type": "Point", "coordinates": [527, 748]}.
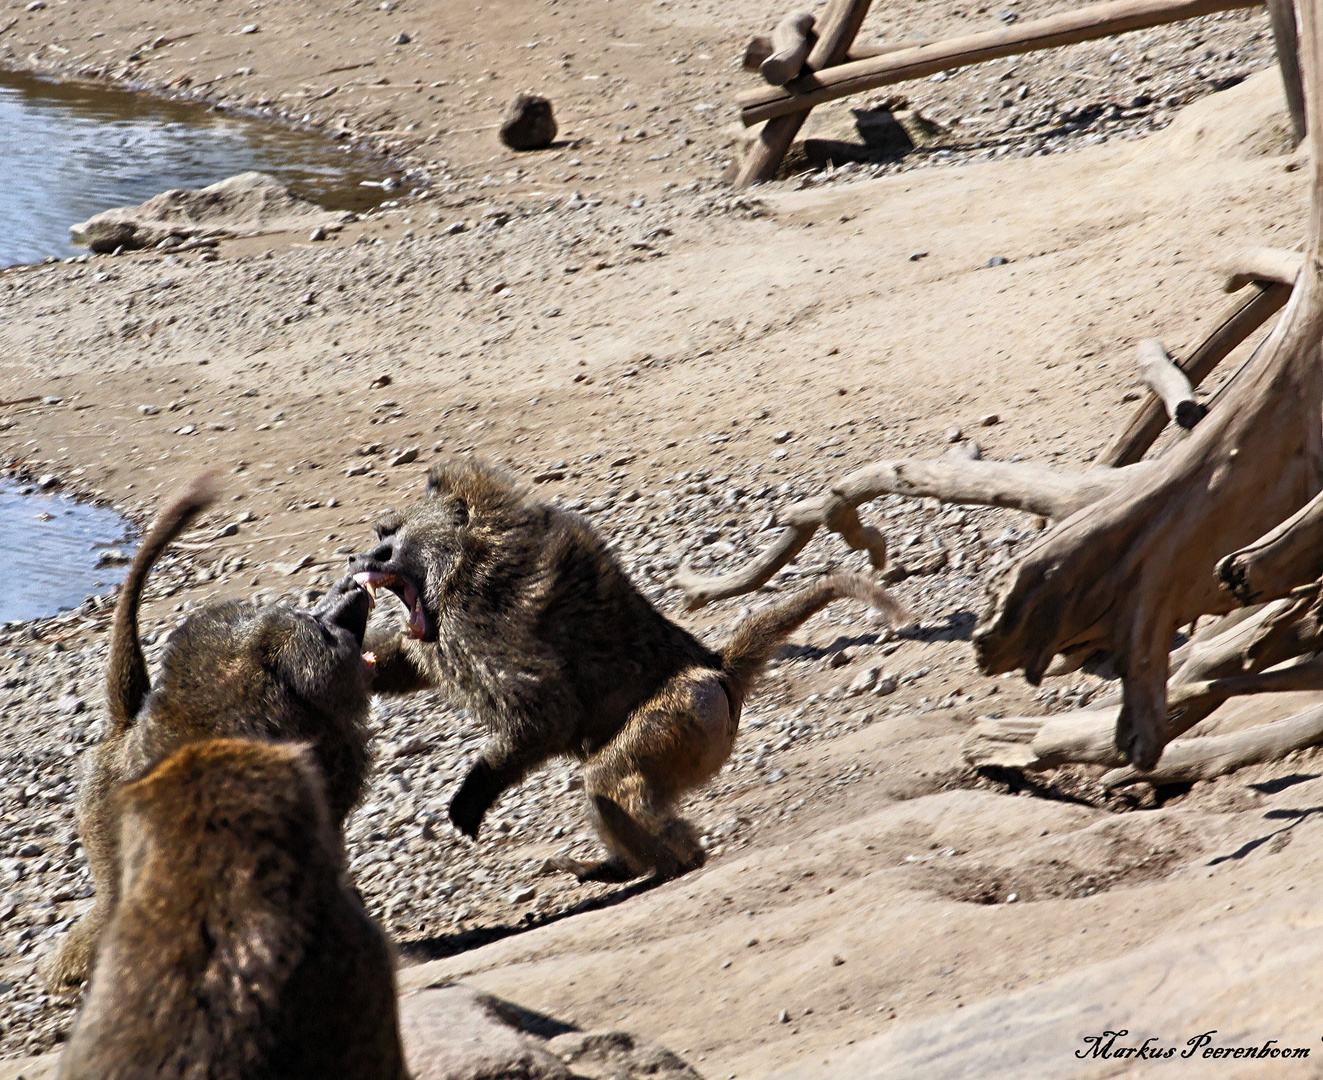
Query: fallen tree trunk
{"type": "Point", "coordinates": [1188, 760]}
{"type": "Point", "coordinates": [1246, 316]}
{"type": "Point", "coordinates": [1170, 383]}
{"type": "Point", "coordinates": [1037, 489]}
{"type": "Point", "coordinates": [1127, 571]}
{"type": "Point", "coordinates": [1065, 28]}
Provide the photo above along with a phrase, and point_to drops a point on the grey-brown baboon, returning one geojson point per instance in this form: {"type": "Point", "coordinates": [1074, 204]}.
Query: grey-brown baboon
{"type": "Point", "coordinates": [238, 950]}
{"type": "Point", "coordinates": [520, 610]}
{"type": "Point", "coordinates": [232, 669]}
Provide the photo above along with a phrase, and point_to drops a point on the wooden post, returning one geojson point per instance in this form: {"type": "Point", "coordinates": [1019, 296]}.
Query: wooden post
{"type": "Point", "coordinates": [1064, 28]}
{"type": "Point", "coordinates": [836, 33]}
{"type": "Point", "coordinates": [1282, 13]}
{"type": "Point", "coordinates": [791, 41]}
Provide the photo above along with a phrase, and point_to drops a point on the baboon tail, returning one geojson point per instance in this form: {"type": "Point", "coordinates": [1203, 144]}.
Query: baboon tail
{"type": "Point", "coordinates": [126, 674]}
{"type": "Point", "coordinates": [758, 635]}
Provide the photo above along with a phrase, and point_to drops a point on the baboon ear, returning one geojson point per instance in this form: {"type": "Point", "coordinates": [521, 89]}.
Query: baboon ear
{"type": "Point", "coordinates": [388, 523]}
{"type": "Point", "coordinates": [461, 509]}
{"type": "Point", "coordinates": [435, 481]}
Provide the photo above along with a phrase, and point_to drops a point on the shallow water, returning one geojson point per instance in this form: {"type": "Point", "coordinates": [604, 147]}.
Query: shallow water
{"type": "Point", "coordinates": [51, 547]}
{"type": "Point", "coordinates": [71, 150]}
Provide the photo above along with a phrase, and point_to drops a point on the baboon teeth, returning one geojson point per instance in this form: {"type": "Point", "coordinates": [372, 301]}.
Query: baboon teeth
{"type": "Point", "coordinates": [370, 661]}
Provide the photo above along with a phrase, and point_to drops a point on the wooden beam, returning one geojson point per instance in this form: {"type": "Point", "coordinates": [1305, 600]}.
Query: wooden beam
{"type": "Point", "coordinates": [1065, 28]}
{"type": "Point", "coordinates": [791, 41]}
{"type": "Point", "coordinates": [1284, 36]}
{"type": "Point", "coordinates": [1262, 264]}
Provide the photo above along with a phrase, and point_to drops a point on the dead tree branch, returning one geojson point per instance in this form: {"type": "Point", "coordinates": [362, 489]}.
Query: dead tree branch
{"type": "Point", "coordinates": [1170, 383]}
{"type": "Point", "coordinates": [1261, 264]}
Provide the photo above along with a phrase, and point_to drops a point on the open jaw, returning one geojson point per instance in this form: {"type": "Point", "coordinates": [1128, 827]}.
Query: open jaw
{"type": "Point", "coordinates": [405, 589]}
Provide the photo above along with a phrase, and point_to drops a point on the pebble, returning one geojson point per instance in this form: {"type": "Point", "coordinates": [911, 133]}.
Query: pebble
{"type": "Point", "coordinates": [402, 38]}
{"type": "Point", "coordinates": [521, 894]}
{"type": "Point", "coordinates": [70, 705]}
{"type": "Point", "coordinates": [997, 260]}
{"type": "Point", "coordinates": [405, 457]}
{"type": "Point", "coordinates": [529, 123]}
{"type": "Point", "coordinates": [317, 234]}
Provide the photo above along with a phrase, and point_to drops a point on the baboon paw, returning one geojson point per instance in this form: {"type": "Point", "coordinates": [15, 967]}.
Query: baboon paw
{"type": "Point", "coordinates": [466, 821]}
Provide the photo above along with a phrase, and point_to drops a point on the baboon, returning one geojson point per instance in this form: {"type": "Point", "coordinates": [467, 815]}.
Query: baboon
{"type": "Point", "coordinates": [232, 669]}
{"type": "Point", "coordinates": [520, 610]}
{"type": "Point", "coordinates": [238, 950]}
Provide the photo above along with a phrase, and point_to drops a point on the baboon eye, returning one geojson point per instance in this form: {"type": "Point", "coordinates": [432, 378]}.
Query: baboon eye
{"type": "Point", "coordinates": [388, 524]}
{"type": "Point", "coordinates": [461, 512]}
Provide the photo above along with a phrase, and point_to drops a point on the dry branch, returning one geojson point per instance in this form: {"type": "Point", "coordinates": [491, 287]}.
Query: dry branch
{"type": "Point", "coordinates": [836, 32]}
{"type": "Point", "coordinates": [1065, 28]}
{"type": "Point", "coordinates": [791, 41]}
{"type": "Point", "coordinates": [1277, 562]}
{"type": "Point", "coordinates": [1132, 568]}
{"type": "Point", "coordinates": [1170, 383]}
{"type": "Point", "coordinates": [1262, 264]}
{"type": "Point", "coordinates": [1188, 760]}
{"type": "Point", "coordinates": [1282, 13]}
{"type": "Point", "coordinates": [1036, 489]}
{"type": "Point", "coordinates": [1242, 319]}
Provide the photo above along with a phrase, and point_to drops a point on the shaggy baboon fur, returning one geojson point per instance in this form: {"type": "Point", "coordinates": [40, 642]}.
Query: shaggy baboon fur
{"type": "Point", "coordinates": [233, 669]}
{"type": "Point", "coordinates": [519, 609]}
{"type": "Point", "coordinates": [238, 950]}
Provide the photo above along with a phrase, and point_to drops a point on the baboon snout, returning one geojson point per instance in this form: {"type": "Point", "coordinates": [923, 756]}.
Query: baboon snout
{"type": "Point", "coordinates": [379, 556]}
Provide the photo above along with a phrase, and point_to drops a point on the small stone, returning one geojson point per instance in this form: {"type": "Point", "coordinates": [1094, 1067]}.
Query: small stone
{"type": "Point", "coordinates": [783, 436]}
{"type": "Point", "coordinates": [414, 744]}
{"type": "Point", "coordinates": [521, 894]}
{"type": "Point", "coordinates": [990, 420]}
{"type": "Point", "coordinates": [48, 481]}
{"type": "Point", "coordinates": [997, 260]}
{"type": "Point", "coordinates": [231, 529]}
{"type": "Point", "coordinates": [71, 705]}
{"type": "Point", "coordinates": [529, 123]}
{"type": "Point", "coordinates": [317, 234]}
{"type": "Point", "coordinates": [405, 457]}
{"type": "Point", "coordinates": [360, 469]}
{"type": "Point", "coordinates": [30, 851]}
{"type": "Point", "coordinates": [840, 659]}
{"type": "Point", "coordinates": [36, 5]}
{"type": "Point", "coordinates": [149, 410]}
{"type": "Point", "coordinates": [187, 429]}
{"type": "Point", "coordinates": [455, 228]}
{"type": "Point", "coordinates": [783, 1017]}
{"type": "Point", "coordinates": [953, 435]}
{"type": "Point", "coordinates": [837, 961]}
{"type": "Point", "coordinates": [918, 255]}
{"type": "Point", "coordinates": [886, 685]}
{"type": "Point", "coordinates": [251, 28]}
{"type": "Point", "coordinates": [864, 682]}
{"type": "Point", "coordinates": [402, 38]}
{"type": "Point", "coordinates": [1012, 898]}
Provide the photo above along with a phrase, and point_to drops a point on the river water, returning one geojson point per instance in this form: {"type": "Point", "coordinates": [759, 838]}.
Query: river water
{"type": "Point", "coordinates": [71, 150]}
{"type": "Point", "coordinates": [57, 551]}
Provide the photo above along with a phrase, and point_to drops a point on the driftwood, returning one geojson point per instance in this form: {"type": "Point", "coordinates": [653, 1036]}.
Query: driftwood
{"type": "Point", "coordinates": [1261, 264]}
{"type": "Point", "coordinates": [760, 48]}
{"type": "Point", "coordinates": [1139, 563]}
{"type": "Point", "coordinates": [1274, 563]}
{"type": "Point", "coordinates": [1066, 28]}
{"type": "Point", "coordinates": [836, 31]}
{"type": "Point", "coordinates": [1282, 13]}
{"type": "Point", "coordinates": [1050, 493]}
{"type": "Point", "coordinates": [791, 41]}
{"type": "Point", "coordinates": [1170, 383]}
{"type": "Point", "coordinates": [1188, 760]}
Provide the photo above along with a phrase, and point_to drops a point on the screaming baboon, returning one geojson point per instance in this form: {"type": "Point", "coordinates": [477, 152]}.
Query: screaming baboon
{"type": "Point", "coordinates": [231, 669]}
{"type": "Point", "coordinates": [237, 951]}
{"type": "Point", "coordinates": [520, 610]}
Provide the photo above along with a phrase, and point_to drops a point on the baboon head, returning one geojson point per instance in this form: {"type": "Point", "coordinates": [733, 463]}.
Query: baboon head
{"type": "Point", "coordinates": [271, 668]}
{"type": "Point", "coordinates": [467, 538]}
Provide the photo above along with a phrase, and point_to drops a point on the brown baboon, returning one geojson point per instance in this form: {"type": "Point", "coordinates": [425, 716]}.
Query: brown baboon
{"type": "Point", "coordinates": [520, 610]}
{"type": "Point", "coordinates": [238, 950]}
{"type": "Point", "coordinates": [233, 669]}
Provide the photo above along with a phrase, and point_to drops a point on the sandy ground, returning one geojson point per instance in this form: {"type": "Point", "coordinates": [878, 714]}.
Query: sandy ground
{"type": "Point", "coordinates": [679, 363]}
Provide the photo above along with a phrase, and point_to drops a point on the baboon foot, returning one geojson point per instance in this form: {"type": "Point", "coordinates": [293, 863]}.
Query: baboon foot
{"type": "Point", "coordinates": [481, 788]}
{"type": "Point", "coordinates": [71, 963]}
{"type": "Point", "coordinates": [612, 871]}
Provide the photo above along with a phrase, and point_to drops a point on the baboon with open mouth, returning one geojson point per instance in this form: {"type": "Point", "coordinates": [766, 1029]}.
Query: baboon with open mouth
{"type": "Point", "coordinates": [520, 611]}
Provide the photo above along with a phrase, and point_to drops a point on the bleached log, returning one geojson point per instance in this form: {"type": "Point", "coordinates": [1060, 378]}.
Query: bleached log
{"type": "Point", "coordinates": [1065, 28]}
{"type": "Point", "coordinates": [1262, 264]}
{"type": "Point", "coordinates": [1037, 489]}
{"type": "Point", "coordinates": [1187, 760]}
{"type": "Point", "coordinates": [1170, 383]}
{"type": "Point", "coordinates": [1133, 567]}
{"type": "Point", "coordinates": [791, 41]}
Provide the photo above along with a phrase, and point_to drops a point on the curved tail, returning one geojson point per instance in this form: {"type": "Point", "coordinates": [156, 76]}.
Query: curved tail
{"type": "Point", "coordinates": [126, 674]}
{"type": "Point", "coordinates": [758, 635]}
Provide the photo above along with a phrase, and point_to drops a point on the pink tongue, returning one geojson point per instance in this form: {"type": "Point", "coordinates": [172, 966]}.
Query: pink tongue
{"type": "Point", "coordinates": [417, 620]}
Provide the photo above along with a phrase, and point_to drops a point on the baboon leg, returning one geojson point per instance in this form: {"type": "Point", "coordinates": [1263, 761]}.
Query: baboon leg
{"type": "Point", "coordinates": [614, 871]}
{"type": "Point", "coordinates": [398, 669]}
{"type": "Point", "coordinates": [71, 963]}
{"type": "Point", "coordinates": [500, 767]}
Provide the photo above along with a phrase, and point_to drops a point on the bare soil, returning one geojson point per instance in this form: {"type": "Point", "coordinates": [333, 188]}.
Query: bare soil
{"type": "Point", "coordinates": [677, 362]}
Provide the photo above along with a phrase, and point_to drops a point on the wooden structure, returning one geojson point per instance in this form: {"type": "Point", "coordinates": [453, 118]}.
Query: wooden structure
{"type": "Point", "coordinates": [807, 62]}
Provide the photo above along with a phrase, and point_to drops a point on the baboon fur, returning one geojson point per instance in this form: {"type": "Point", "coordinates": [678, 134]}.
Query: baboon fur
{"type": "Point", "coordinates": [237, 950]}
{"type": "Point", "coordinates": [233, 669]}
{"type": "Point", "coordinates": [520, 611]}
